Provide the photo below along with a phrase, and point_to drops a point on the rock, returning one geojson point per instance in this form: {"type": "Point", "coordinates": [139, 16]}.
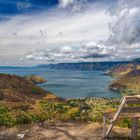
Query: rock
{"type": "Point", "coordinates": [20, 136]}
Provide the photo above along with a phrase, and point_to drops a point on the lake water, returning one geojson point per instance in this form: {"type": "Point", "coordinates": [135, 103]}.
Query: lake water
{"type": "Point", "coordinates": [70, 84]}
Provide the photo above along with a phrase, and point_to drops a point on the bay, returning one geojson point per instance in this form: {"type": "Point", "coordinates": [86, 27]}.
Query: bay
{"type": "Point", "coordinates": [68, 83]}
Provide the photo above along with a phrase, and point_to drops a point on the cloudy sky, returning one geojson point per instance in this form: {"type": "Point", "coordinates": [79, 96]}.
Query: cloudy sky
{"type": "Point", "coordinates": [54, 31]}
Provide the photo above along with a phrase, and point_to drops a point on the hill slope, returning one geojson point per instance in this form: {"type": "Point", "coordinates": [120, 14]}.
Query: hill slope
{"type": "Point", "coordinates": [127, 84]}
{"type": "Point", "coordinates": [14, 88]}
{"type": "Point", "coordinates": [123, 69]}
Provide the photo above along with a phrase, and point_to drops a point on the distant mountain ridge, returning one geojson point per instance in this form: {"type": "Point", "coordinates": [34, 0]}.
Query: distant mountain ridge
{"type": "Point", "coordinates": [91, 66]}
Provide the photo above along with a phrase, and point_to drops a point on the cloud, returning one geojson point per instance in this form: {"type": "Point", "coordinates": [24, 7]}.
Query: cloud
{"type": "Point", "coordinates": [29, 56]}
{"type": "Point", "coordinates": [54, 32]}
{"type": "Point", "coordinates": [85, 51]}
{"type": "Point", "coordinates": [67, 34]}
{"type": "Point", "coordinates": [96, 55]}
{"type": "Point", "coordinates": [124, 38]}
{"type": "Point", "coordinates": [74, 6]}
{"type": "Point", "coordinates": [123, 42]}
{"type": "Point", "coordinates": [66, 3]}
{"type": "Point", "coordinates": [125, 28]}
{"type": "Point", "coordinates": [66, 49]}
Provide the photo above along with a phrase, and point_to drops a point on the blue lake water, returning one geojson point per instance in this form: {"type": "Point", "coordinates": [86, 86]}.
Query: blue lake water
{"type": "Point", "coordinates": [70, 84]}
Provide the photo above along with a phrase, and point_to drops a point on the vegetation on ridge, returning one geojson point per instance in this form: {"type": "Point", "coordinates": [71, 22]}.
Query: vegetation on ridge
{"type": "Point", "coordinates": [127, 77]}
{"type": "Point", "coordinates": [128, 84]}
{"type": "Point", "coordinates": [88, 109]}
{"type": "Point", "coordinates": [122, 70]}
{"type": "Point", "coordinates": [23, 102]}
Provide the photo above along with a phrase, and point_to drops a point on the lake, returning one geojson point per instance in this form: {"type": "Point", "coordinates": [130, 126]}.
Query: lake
{"type": "Point", "coordinates": [68, 83]}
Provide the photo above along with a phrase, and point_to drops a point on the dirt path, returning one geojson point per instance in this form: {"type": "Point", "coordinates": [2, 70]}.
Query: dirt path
{"type": "Point", "coordinates": [61, 131]}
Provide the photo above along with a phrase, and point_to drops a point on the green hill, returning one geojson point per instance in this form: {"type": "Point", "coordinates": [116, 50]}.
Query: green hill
{"type": "Point", "coordinates": [128, 84]}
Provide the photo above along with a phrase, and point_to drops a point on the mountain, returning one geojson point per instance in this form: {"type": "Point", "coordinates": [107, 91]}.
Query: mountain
{"type": "Point", "coordinates": [85, 65]}
{"type": "Point", "coordinates": [123, 69]}
{"type": "Point", "coordinates": [120, 70]}
{"type": "Point", "coordinates": [137, 61]}
{"type": "Point", "coordinates": [127, 84]}
{"type": "Point", "coordinates": [128, 77]}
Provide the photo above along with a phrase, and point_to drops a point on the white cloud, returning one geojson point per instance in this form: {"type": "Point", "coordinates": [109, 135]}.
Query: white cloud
{"type": "Point", "coordinates": [125, 30]}
{"type": "Point", "coordinates": [59, 36]}
{"type": "Point", "coordinates": [65, 3]}
{"type": "Point", "coordinates": [74, 6]}
{"type": "Point", "coordinates": [126, 26]}
{"type": "Point", "coordinates": [51, 30]}
{"type": "Point", "coordinates": [30, 56]}
{"type": "Point", "coordinates": [85, 51]}
{"type": "Point", "coordinates": [66, 49]}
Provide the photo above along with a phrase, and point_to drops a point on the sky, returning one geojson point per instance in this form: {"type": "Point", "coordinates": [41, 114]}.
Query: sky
{"type": "Point", "coordinates": [59, 31]}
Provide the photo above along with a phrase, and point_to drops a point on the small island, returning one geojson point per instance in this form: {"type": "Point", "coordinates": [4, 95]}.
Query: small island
{"type": "Point", "coordinates": [35, 79]}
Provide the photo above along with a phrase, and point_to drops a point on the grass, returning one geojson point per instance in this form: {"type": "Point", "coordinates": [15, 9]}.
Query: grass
{"type": "Point", "coordinates": [16, 107]}
{"type": "Point", "coordinates": [88, 109]}
{"type": "Point", "coordinates": [72, 110]}
{"type": "Point", "coordinates": [128, 85]}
